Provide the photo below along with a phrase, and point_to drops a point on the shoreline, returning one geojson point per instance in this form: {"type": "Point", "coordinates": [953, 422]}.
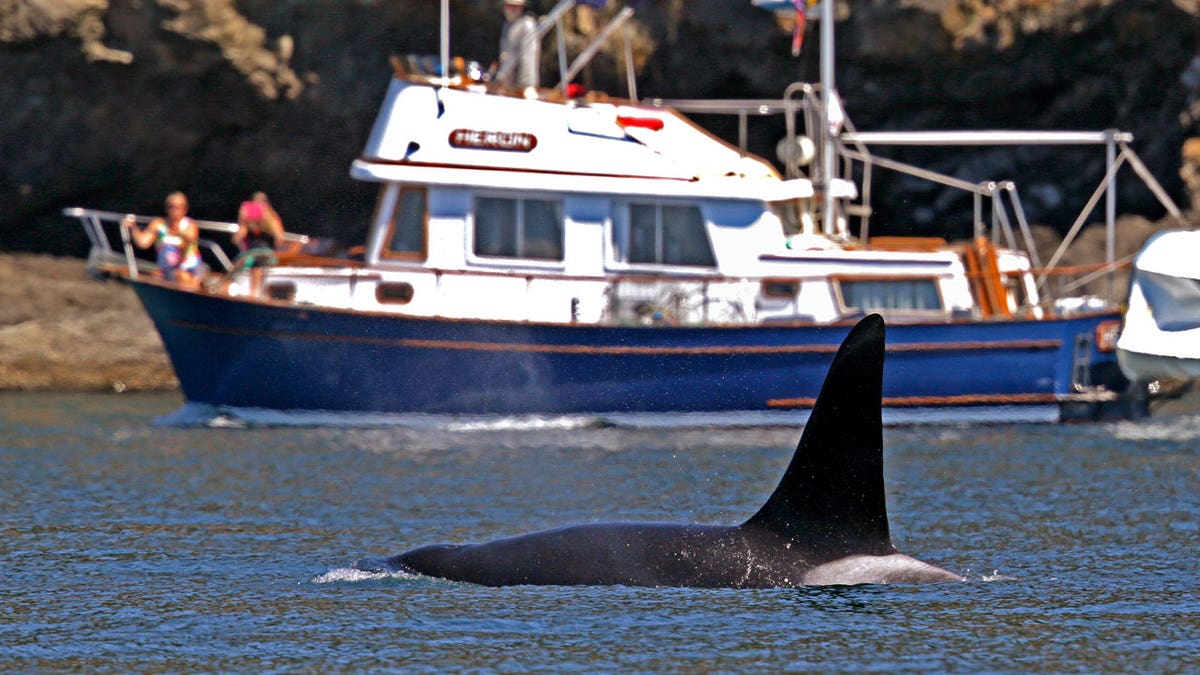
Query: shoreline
{"type": "Point", "coordinates": [62, 330]}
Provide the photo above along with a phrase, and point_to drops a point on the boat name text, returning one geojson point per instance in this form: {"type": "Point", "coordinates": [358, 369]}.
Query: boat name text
{"type": "Point", "coordinates": [517, 141]}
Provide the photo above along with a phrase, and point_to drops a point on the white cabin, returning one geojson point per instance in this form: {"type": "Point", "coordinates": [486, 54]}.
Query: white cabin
{"type": "Point", "coordinates": [592, 211]}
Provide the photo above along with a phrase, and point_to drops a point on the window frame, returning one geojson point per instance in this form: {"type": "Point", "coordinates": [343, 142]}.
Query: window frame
{"type": "Point", "coordinates": [386, 251]}
{"type": "Point", "coordinates": [836, 282]}
{"type": "Point", "coordinates": [620, 237]}
{"type": "Point", "coordinates": [519, 235]}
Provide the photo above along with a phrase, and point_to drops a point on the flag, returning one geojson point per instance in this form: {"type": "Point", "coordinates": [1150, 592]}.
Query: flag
{"type": "Point", "coordinates": [798, 31]}
{"type": "Point", "coordinates": [801, 23]}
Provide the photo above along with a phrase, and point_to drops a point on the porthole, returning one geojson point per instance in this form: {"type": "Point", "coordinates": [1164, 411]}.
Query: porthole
{"type": "Point", "coordinates": [394, 293]}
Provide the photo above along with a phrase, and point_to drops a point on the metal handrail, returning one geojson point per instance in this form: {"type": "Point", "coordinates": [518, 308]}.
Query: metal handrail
{"type": "Point", "coordinates": [93, 224]}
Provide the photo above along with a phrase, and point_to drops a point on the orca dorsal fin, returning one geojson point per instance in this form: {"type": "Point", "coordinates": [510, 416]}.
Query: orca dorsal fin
{"type": "Point", "coordinates": [831, 498]}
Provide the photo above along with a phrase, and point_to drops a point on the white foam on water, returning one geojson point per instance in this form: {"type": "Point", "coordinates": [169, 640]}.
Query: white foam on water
{"type": "Point", "coordinates": [996, 576]}
{"type": "Point", "coordinates": [1183, 428]}
{"type": "Point", "coordinates": [355, 575]}
{"type": "Point", "coordinates": [532, 423]}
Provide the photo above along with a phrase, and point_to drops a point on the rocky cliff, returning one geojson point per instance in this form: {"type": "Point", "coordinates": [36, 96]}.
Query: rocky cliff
{"type": "Point", "coordinates": [114, 103]}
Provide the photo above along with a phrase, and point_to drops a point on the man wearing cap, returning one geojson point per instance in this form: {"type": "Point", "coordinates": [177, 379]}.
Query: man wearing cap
{"type": "Point", "coordinates": [519, 49]}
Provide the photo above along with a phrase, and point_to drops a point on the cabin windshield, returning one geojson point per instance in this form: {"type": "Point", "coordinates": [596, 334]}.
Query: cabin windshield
{"type": "Point", "coordinates": [796, 216]}
{"type": "Point", "coordinates": [407, 229]}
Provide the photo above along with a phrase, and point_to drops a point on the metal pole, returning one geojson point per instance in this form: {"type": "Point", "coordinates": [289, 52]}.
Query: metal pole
{"type": "Point", "coordinates": [630, 78]}
{"type": "Point", "coordinates": [1110, 214]}
{"type": "Point", "coordinates": [828, 89]}
{"type": "Point", "coordinates": [562, 58]}
{"type": "Point", "coordinates": [130, 260]}
{"type": "Point", "coordinates": [597, 42]}
{"type": "Point", "coordinates": [743, 131]}
{"type": "Point", "coordinates": [978, 214]}
{"type": "Point", "coordinates": [445, 54]}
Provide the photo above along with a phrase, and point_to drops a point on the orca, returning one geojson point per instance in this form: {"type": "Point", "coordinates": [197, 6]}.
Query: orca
{"type": "Point", "coordinates": [825, 524]}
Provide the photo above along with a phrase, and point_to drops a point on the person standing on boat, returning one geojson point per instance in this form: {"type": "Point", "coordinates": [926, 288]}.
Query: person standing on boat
{"type": "Point", "coordinates": [259, 227]}
{"type": "Point", "coordinates": [259, 236]}
{"type": "Point", "coordinates": [177, 239]}
{"type": "Point", "coordinates": [519, 50]}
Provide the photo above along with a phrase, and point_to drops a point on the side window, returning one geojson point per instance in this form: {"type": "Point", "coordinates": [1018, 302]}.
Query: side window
{"type": "Point", "coordinates": [890, 294]}
{"type": "Point", "coordinates": [663, 234]}
{"type": "Point", "coordinates": [684, 240]}
{"type": "Point", "coordinates": [643, 234]}
{"type": "Point", "coordinates": [518, 228]}
{"type": "Point", "coordinates": [542, 236]}
{"type": "Point", "coordinates": [407, 237]}
{"type": "Point", "coordinates": [496, 227]}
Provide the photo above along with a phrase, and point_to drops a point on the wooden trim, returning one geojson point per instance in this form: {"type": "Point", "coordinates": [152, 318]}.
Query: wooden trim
{"type": "Point", "coordinates": [983, 269]}
{"type": "Point", "coordinates": [511, 169]}
{"type": "Point", "coordinates": [307, 260]}
{"type": "Point", "coordinates": [301, 260]}
{"type": "Point", "coordinates": [419, 256]}
{"type": "Point", "coordinates": [480, 346]}
{"type": "Point", "coordinates": [932, 401]}
{"type": "Point", "coordinates": [1027, 345]}
{"type": "Point", "coordinates": [1082, 269]}
{"type": "Point", "coordinates": [921, 244]}
{"type": "Point", "coordinates": [839, 256]}
{"type": "Point", "coordinates": [886, 277]}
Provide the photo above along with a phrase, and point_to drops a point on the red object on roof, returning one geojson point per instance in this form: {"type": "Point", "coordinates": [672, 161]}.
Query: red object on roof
{"type": "Point", "coordinates": [651, 123]}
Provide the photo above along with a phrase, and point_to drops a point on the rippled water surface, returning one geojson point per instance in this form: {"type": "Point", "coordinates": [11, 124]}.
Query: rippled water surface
{"type": "Point", "coordinates": [133, 547]}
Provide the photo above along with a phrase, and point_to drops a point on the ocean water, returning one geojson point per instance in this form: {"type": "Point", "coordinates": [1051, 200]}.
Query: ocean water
{"type": "Point", "coordinates": [128, 546]}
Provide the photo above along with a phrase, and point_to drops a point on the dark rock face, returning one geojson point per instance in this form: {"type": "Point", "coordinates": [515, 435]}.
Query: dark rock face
{"type": "Point", "coordinates": [114, 103]}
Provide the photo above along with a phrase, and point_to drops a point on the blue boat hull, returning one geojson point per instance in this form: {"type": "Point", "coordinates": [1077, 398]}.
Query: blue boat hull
{"type": "Point", "coordinates": [244, 354]}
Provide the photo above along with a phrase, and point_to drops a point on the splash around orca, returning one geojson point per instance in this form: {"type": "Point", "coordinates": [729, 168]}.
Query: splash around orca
{"type": "Point", "coordinates": [826, 522]}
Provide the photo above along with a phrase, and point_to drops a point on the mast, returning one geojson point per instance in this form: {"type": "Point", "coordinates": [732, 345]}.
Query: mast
{"type": "Point", "coordinates": [445, 49]}
{"type": "Point", "coordinates": [828, 92]}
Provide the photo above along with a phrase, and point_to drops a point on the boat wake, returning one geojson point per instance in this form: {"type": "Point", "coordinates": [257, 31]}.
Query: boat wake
{"type": "Point", "coordinates": [1183, 428]}
{"type": "Point", "coordinates": [223, 417]}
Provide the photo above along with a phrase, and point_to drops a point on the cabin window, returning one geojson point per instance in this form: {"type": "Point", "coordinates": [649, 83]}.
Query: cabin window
{"type": "Point", "coordinates": [518, 228]}
{"type": "Point", "coordinates": [870, 295]}
{"type": "Point", "coordinates": [664, 234]}
{"type": "Point", "coordinates": [407, 236]}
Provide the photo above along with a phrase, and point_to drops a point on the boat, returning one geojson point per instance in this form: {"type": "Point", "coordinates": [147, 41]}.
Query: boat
{"type": "Point", "coordinates": [1161, 335]}
{"type": "Point", "coordinates": [579, 253]}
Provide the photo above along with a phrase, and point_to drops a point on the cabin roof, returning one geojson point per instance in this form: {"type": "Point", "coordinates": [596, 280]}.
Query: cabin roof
{"type": "Point", "coordinates": [458, 136]}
